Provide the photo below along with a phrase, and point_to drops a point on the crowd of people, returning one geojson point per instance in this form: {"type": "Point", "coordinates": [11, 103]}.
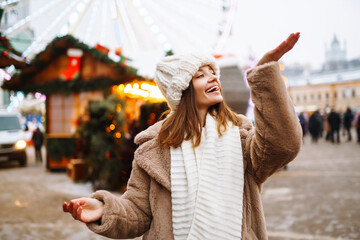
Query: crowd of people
{"type": "Point", "coordinates": [330, 125]}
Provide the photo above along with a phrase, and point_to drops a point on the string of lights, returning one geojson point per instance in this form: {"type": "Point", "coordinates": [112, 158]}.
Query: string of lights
{"type": "Point", "coordinates": [227, 27]}
{"type": "Point", "coordinates": [34, 46]}
{"type": "Point", "coordinates": [149, 20]}
{"type": "Point", "coordinates": [9, 5]}
{"type": "Point", "coordinates": [123, 16]}
{"type": "Point", "coordinates": [27, 19]}
{"type": "Point", "coordinates": [90, 26]}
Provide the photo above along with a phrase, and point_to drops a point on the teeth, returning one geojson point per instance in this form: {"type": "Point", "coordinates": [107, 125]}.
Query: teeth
{"type": "Point", "coordinates": [215, 87]}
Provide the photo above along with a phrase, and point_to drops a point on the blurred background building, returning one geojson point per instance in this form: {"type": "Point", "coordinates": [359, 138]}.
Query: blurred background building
{"type": "Point", "coordinates": [336, 85]}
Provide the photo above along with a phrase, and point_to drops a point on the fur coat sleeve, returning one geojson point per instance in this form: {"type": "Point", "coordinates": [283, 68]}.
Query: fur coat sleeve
{"type": "Point", "coordinates": [277, 136]}
{"type": "Point", "coordinates": [127, 216]}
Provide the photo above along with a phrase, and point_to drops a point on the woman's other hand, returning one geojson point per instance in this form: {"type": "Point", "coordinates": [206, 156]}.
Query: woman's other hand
{"type": "Point", "coordinates": [279, 51]}
{"type": "Point", "coordinates": [84, 209]}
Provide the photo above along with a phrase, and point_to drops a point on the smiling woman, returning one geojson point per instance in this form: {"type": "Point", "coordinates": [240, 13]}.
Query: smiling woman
{"type": "Point", "coordinates": [207, 89]}
{"type": "Point", "coordinates": [203, 95]}
{"type": "Point", "coordinates": [198, 173]}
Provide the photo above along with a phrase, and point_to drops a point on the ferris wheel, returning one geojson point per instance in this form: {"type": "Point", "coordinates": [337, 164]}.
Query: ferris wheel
{"type": "Point", "coordinates": [142, 29]}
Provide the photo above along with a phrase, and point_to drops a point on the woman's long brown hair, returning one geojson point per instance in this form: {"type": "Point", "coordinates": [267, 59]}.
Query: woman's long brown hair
{"type": "Point", "coordinates": [184, 123]}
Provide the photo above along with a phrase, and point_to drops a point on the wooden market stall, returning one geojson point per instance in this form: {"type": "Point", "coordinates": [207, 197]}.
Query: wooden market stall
{"type": "Point", "coordinates": [70, 74]}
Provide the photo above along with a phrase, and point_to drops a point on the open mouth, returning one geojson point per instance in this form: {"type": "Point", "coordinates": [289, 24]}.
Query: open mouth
{"type": "Point", "coordinates": [213, 89]}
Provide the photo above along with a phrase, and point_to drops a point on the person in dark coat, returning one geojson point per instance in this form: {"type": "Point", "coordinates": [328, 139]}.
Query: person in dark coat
{"type": "Point", "coordinates": [357, 126]}
{"type": "Point", "coordinates": [303, 123]}
{"type": "Point", "coordinates": [334, 121]}
{"type": "Point", "coordinates": [348, 118]}
{"type": "Point", "coordinates": [315, 126]}
{"type": "Point", "coordinates": [38, 139]}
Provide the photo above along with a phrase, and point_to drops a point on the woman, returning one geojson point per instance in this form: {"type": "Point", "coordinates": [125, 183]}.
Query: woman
{"type": "Point", "coordinates": [198, 174]}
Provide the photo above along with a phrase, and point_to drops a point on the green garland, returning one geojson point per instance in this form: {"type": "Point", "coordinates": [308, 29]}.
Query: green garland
{"type": "Point", "coordinates": [169, 53]}
{"type": "Point", "coordinates": [60, 147]}
{"type": "Point", "coordinates": [59, 47]}
{"type": "Point", "coordinates": [5, 45]}
{"type": "Point", "coordinates": [67, 87]}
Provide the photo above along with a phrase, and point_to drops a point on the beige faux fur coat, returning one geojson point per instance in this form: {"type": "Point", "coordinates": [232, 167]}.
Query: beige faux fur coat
{"type": "Point", "coordinates": [145, 208]}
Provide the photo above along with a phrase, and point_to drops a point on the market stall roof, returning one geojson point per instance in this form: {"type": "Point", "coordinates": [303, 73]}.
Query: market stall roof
{"type": "Point", "coordinates": [98, 71]}
{"type": "Point", "coordinates": [9, 56]}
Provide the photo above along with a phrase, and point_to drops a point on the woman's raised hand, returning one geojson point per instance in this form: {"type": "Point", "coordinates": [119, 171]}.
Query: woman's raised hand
{"type": "Point", "coordinates": [84, 209]}
{"type": "Point", "coordinates": [279, 51]}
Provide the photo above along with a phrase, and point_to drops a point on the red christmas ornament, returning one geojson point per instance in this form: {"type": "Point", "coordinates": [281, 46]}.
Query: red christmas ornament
{"type": "Point", "coordinates": [74, 64]}
{"type": "Point", "coordinates": [217, 56]}
{"type": "Point", "coordinates": [5, 53]}
{"type": "Point", "coordinates": [102, 49]}
{"type": "Point", "coordinates": [118, 51]}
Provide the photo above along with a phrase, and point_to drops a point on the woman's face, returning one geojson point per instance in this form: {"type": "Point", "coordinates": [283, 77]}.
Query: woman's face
{"type": "Point", "coordinates": [207, 88]}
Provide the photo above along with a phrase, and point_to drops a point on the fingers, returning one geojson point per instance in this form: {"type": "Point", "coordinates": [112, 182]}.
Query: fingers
{"type": "Point", "coordinates": [65, 207]}
{"type": "Point", "coordinates": [285, 46]}
{"type": "Point", "coordinates": [291, 40]}
{"type": "Point", "coordinates": [73, 208]}
{"type": "Point", "coordinates": [79, 211]}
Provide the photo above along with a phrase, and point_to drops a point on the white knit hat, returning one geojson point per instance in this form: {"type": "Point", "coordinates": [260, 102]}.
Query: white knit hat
{"type": "Point", "coordinates": [174, 73]}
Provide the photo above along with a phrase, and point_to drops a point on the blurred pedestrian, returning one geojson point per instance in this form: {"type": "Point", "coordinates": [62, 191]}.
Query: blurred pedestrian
{"type": "Point", "coordinates": [348, 118]}
{"type": "Point", "coordinates": [327, 128]}
{"type": "Point", "coordinates": [190, 177]}
{"type": "Point", "coordinates": [38, 139]}
{"type": "Point", "coordinates": [334, 122]}
{"type": "Point", "coordinates": [321, 119]}
{"type": "Point", "coordinates": [357, 126]}
{"type": "Point", "coordinates": [302, 120]}
{"type": "Point", "coordinates": [315, 126]}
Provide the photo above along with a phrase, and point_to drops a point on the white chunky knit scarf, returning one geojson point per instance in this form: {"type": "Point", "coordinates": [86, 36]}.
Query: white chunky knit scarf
{"type": "Point", "coordinates": [207, 186]}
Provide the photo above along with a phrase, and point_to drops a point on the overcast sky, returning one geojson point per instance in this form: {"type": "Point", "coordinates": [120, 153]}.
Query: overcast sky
{"type": "Point", "coordinates": [261, 25]}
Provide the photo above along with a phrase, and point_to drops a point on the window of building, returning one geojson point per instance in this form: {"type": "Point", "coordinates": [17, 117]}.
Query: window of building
{"type": "Point", "coordinates": [353, 93]}
{"type": "Point", "coordinates": [312, 97]}
{"type": "Point", "coordinates": [327, 95]}
{"type": "Point", "coordinates": [64, 111]}
{"type": "Point", "coordinates": [319, 96]}
{"type": "Point", "coordinates": [298, 98]}
{"type": "Point", "coordinates": [304, 98]}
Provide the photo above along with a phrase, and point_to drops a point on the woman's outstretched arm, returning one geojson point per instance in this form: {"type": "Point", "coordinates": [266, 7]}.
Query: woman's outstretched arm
{"type": "Point", "coordinates": [277, 136]}
{"type": "Point", "coordinates": [279, 51]}
{"type": "Point", "coordinates": [128, 216]}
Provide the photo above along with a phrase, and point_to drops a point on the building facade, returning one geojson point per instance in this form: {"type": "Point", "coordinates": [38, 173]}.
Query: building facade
{"type": "Point", "coordinates": [336, 85]}
{"type": "Point", "coordinates": [337, 89]}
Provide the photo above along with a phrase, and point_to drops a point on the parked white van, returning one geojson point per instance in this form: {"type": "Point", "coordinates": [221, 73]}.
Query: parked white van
{"type": "Point", "coordinates": [12, 142]}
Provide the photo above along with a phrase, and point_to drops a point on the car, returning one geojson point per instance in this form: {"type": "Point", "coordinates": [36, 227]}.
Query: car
{"type": "Point", "coordinates": [12, 138]}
